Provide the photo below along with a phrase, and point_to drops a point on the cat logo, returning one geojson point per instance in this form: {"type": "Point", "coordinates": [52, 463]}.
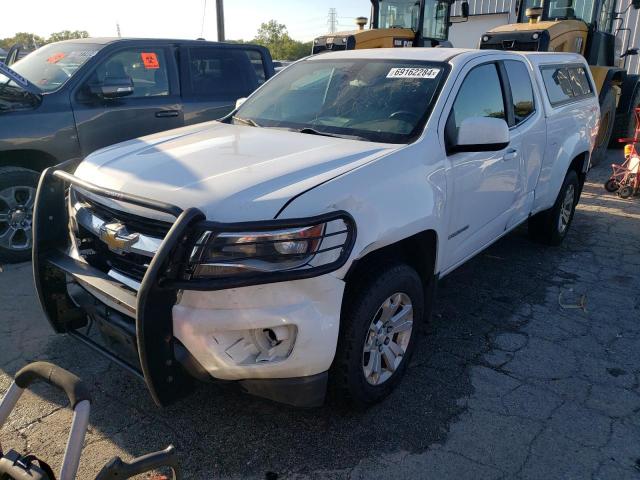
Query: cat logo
{"type": "Point", "coordinates": [117, 238]}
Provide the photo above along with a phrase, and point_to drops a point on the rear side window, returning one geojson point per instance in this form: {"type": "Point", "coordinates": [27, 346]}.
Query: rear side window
{"type": "Point", "coordinates": [224, 73]}
{"type": "Point", "coordinates": [521, 90]}
{"type": "Point", "coordinates": [480, 96]}
{"type": "Point", "coordinates": [566, 83]}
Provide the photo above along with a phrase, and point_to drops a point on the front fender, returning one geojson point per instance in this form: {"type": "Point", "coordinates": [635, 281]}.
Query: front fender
{"type": "Point", "coordinates": [391, 199]}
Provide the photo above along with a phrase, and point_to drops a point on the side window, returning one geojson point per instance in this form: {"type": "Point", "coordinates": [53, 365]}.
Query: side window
{"type": "Point", "coordinates": [521, 90]}
{"type": "Point", "coordinates": [258, 64]}
{"type": "Point", "coordinates": [480, 96]}
{"type": "Point", "coordinates": [224, 73]}
{"type": "Point", "coordinates": [580, 82]}
{"type": "Point", "coordinates": [147, 67]}
{"type": "Point", "coordinates": [566, 83]}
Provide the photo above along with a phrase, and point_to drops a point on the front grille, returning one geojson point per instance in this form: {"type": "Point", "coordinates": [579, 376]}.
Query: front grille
{"type": "Point", "coordinates": [96, 252]}
{"type": "Point", "coordinates": [98, 255]}
{"type": "Point", "coordinates": [134, 223]}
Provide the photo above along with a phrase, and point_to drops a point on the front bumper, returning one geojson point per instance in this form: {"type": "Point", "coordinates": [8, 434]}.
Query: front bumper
{"type": "Point", "coordinates": [169, 314]}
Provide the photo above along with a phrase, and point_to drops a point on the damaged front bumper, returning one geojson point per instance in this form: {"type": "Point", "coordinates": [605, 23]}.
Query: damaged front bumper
{"type": "Point", "coordinates": [70, 290]}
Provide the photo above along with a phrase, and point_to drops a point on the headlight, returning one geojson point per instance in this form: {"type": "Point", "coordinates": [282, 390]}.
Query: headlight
{"type": "Point", "coordinates": [485, 38]}
{"type": "Point", "coordinates": [535, 36]}
{"type": "Point", "coordinates": [292, 248]}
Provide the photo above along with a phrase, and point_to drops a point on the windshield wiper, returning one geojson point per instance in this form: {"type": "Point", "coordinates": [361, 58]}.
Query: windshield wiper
{"type": "Point", "coordinates": [313, 131]}
{"type": "Point", "coordinates": [246, 121]}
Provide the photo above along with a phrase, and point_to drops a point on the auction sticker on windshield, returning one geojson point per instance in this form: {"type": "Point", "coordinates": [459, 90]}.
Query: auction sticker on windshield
{"type": "Point", "coordinates": [426, 73]}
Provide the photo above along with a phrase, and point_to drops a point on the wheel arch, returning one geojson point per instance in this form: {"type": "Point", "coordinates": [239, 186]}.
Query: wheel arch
{"type": "Point", "coordinates": [419, 251]}
{"type": "Point", "coordinates": [35, 160]}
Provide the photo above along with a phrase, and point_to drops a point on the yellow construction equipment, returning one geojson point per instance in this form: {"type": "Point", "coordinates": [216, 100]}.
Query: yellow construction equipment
{"type": "Point", "coordinates": [397, 23]}
{"type": "Point", "coordinates": [589, 27]}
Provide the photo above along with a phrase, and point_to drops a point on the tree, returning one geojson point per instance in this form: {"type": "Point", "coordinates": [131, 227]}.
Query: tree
{"type": "Point", "coordinates": [275, 37]}
{"type": "Point", "coordinates": [29, 40]}
{"type": "Point", "coordinates": [67, 35]}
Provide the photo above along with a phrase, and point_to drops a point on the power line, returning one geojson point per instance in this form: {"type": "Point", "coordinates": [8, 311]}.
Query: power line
{"type": "Point", "coordinates": [332, 20]}
{"type": "Point", "coordinates": [204, 15]}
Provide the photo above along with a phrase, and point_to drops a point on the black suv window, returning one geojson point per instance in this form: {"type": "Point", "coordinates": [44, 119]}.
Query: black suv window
{"type": "Point", "coordinates": [480, 96]}
{"type": "Point", "coordinates": [224, 73]}
{"type": "Point", "coordinates": [521, 89]}
{"type": "Point", "coordinates": [566, 83]}
{"type": "Point", "coordinates": [147, 67]}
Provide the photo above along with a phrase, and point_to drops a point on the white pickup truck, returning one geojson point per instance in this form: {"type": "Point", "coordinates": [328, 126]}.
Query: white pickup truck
{"type": "Point", "coordinates": [297, 243]}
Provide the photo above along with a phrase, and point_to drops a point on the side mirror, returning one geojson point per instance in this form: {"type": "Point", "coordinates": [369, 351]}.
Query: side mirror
{"type": "Point", "coordinates": [112, 88]}
{"type": "Point", "coordinates": [635, 4]}
{"type": "Point", "coordinates": [240, 101]}
{"type": "Point", "coordinates": [482, 134]}
{"type": "Point", "coordinates": [630, 52]}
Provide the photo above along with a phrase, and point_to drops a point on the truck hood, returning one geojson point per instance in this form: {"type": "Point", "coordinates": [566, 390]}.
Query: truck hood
{"type": "Point", "coordinates": [231, 172]}
{"type": "Point", "coordinates": [19, 79]}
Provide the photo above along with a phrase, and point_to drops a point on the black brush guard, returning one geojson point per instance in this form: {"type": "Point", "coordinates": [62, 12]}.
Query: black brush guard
{"type": "Point", "coordinates": [151, 307]}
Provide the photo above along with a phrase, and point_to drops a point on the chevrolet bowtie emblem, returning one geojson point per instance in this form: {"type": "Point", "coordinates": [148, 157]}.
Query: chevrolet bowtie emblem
{"type": "Point", "coordinates": [116, 237]}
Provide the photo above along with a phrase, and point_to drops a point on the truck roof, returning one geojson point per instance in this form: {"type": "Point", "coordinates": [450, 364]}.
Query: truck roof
{"type": "Point", "coordinates": [109, 40]}
{"type": "Point", "coordinates": [447, 54]}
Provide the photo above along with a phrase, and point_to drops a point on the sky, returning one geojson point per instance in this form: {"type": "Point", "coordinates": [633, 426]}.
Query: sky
{"type": "Point", "coordinates": [305, 19]}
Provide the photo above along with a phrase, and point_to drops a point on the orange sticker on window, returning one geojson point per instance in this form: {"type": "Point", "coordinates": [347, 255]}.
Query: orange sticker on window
{"type": "Point", "coordinates": [150, 60]}
{"type": "Point", "coordinates": [55, 58]}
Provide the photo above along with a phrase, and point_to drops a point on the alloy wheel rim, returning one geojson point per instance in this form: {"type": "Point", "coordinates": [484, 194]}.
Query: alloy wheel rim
{"type": "Point", "coordinates": [387, 339]}
{"type": "Point", "coordinates": [16, 217]}
{"type": "Point", "coordinates": [566, 209]}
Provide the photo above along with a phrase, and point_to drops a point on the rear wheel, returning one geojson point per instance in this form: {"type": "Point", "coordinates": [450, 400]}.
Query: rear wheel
{"type": "Point", "coordinates": [17, 196]}
{"type": "Point", "coordinates": [625, 125]}
{"type": "Point", "coordinates": [551, 226]}
{"type": "Point", "coordinates": [607, 118]}
{"type": "Point", "coordinates": [378, 331]}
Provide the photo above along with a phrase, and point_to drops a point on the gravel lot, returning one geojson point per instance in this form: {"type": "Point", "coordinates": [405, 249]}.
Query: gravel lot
{"type": "Point", "coordinates": [529, 369]}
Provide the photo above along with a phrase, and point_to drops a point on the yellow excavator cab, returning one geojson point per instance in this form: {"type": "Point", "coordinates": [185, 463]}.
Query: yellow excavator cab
{"type": "Point", "coordinates": [394, 24]}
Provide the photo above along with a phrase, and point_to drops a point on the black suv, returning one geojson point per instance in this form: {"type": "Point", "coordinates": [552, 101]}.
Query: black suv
{"type": "Point", "coordinates": [68, 99]}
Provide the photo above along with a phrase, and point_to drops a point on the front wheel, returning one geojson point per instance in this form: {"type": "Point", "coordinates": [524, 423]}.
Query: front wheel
{"type": "Point", "coordinates": [611, 185]}
{"type": "Point", "coordinates": [551, 226]}
{"type": "Point", "coordinates": [17, 196]}
{"type": "Point", "coordinates": [378, 332]}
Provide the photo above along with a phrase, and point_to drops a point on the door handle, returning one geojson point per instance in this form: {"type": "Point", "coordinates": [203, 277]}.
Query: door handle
{"type": "Point", "coordinates": [510, 155]}
{"type": "Point", "coordinates": [167, 113]}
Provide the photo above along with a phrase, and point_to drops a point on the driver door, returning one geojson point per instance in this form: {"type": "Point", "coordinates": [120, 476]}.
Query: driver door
{"type": "Point", "coordinates": [154, 106]}
{"type": "Point", "coordinates": [482, 187]}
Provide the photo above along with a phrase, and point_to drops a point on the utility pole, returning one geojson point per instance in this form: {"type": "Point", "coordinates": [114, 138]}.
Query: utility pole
{"type": "Point", "coordinates": [332, 20]}
{"type": "Point", "coordinates": [220, 16]}
{"type": "Point", "coordinates": [118, 29]}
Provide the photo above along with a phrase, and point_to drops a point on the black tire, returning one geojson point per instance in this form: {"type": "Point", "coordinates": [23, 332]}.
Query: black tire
{"type": "Point", "coordinates": [625, 125]}
{"type": "Point", "coordinates": [626, 191]}
{"type": "Point", "coordinates": [26, 182]}
{"type": "Point", "coordinates": [544, 227]}
{"type": "Point", "coordinates": [611, 185]}
{"type": "Point", "coordinates": [607, 120]}
{"type": "Point", "coordinates": [361, 305]}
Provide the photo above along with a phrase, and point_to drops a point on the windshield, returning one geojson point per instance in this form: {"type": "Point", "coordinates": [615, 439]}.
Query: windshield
{"type": "Point", "coordinates": [51, 66]}
{"type": "Point", "coordinates": [375, 100]}
{"type": "Point", "coordinates": [560, 9]}
{"type": "Point", "coordinates": [399, 14]}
